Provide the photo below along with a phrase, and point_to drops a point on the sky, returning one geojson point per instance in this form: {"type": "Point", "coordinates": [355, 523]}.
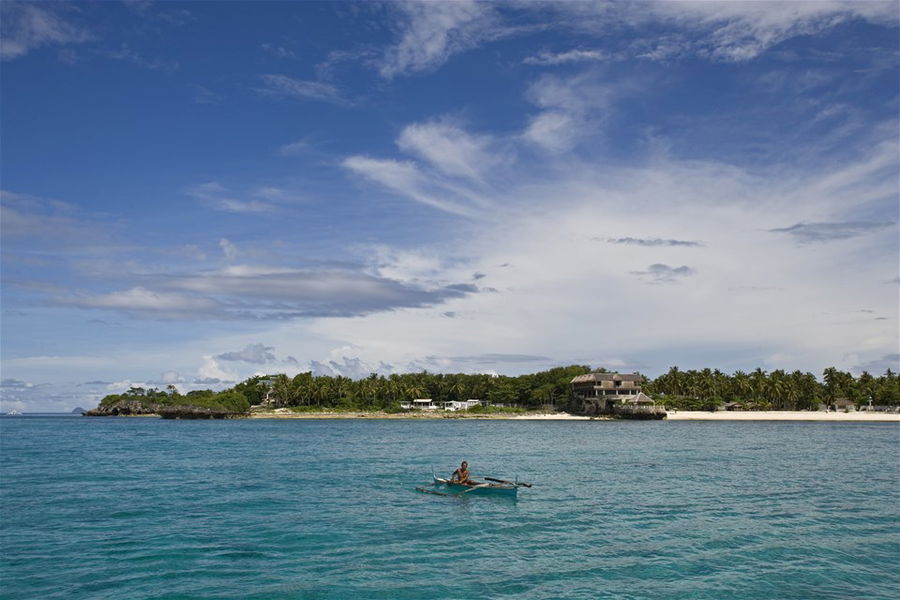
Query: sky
{"type": "Point", "coordinates": [194, 193]}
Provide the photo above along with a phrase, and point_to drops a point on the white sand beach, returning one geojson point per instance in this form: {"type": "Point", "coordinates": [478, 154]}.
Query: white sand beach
{"type": "Point", "coordinates": [551, 417]}
{"type": "Point", "coordinates": [782, 415]}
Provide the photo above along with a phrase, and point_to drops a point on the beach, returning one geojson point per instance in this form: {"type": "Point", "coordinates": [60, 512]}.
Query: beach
{"type": "Point", "coordinates": [782, 415]}
{"type": "Point", "coordinates": [680, 415]}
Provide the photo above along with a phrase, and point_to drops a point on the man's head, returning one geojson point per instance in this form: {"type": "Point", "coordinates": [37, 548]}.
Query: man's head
{"type": "Point", "coordinates": [464, 465]}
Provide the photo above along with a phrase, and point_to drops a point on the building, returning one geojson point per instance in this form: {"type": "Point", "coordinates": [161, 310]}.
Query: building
{"type": "Point", "coordinates": [614, 394]}
{"type": "Point", "coordinates": [419, 404]}
{"type": "Point", "coordinates": [843, 404]}
{"type": "Point", "coordinates": [455, 405]}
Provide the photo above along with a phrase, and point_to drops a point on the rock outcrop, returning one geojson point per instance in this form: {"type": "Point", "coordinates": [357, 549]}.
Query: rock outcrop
{"type": "Point", "coordinates": [136, 407]}
{"type": "Point", "coordinates": [197, 412]}
{"type": "Point", "coordinates": [125, 407]}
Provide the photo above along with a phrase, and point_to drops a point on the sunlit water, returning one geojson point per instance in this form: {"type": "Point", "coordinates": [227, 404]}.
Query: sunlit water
{"type": "Point", "coordinates": [144, 508]}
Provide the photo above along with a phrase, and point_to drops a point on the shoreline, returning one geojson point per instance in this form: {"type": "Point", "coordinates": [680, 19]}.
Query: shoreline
{"type": "Point", "coordinates": [784, 415]}
{"type": "Point", "coordinates": [817, 416]}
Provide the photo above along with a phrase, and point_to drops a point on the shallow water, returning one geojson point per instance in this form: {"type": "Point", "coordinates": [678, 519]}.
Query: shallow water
{"type": "Point", "coordinates": [144, 508]}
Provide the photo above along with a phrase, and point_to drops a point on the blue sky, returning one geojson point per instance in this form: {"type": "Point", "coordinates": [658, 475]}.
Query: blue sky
{"type": "Point", "coordinates": [196, 192]}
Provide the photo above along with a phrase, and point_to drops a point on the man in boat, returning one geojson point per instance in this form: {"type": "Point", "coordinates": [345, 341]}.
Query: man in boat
{"type": "Point", "coordinates": [461, 475]}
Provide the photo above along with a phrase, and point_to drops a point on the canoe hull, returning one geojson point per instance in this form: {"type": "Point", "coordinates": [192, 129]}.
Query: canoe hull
{"type": "Point", "coordinates": [484, 489]}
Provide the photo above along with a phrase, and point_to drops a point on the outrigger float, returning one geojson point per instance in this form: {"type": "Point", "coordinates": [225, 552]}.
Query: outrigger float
{"type": "Point", "coordinates": [491, 486]}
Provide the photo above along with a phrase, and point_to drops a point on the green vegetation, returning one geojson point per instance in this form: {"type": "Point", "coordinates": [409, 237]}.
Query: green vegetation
{"type": "Point", "coordinates": [686, 390]}
{"type": "Point", "coordinates": [229, 401]}
{"type": "Point", "coordinates": [377, 392]}
{"type": "Point", "coordinates": [778, 390]}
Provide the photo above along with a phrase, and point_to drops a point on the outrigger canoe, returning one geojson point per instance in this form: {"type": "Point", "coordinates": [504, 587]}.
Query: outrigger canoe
{"type": "Point", "coordinates": [489, 487]}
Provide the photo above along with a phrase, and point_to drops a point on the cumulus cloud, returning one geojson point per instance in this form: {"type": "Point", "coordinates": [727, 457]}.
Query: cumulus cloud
{"type": "Point", "coordinates": [211, 372]}
{"type": "Point", "coordinates": [257, 354]}
{"type": "Point", "coordinates": [354, 368]}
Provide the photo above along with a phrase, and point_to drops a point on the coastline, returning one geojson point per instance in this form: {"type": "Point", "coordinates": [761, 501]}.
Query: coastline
{"type": "Point", "coordinates": [783, 415]}
{"type": "Point", "coordinates": [819, 416]}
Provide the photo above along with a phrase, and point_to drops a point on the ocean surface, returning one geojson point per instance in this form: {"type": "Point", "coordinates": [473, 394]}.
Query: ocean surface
{"type": "Point", "coordinates": [124, 508]}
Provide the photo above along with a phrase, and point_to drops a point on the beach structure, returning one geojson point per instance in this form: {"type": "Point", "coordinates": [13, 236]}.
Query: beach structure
{"type": "Point", "coordinates": [844, 405]}
{"type": "Point", "coordinates": [429, 404]}
{"type": "Point", "coordinates": [455, 405]}
{"type": "Point", "coordinates": [420, 404]}
{"type": "Point", "coordinates": [615, 394]}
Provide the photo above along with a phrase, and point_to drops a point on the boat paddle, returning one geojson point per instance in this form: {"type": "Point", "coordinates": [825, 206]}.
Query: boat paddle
{"type": "Point", "coordinates": [516, 483]}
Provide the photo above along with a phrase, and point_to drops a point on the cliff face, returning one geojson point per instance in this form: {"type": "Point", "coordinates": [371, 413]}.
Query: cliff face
{"type": "Point", "coordinates": [132, 407]}
{"type": "Point", "coordinates": [125, 408]}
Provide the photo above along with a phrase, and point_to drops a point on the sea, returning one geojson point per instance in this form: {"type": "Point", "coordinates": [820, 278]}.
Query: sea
{"type": "Point", "coordinates": [122, 508]}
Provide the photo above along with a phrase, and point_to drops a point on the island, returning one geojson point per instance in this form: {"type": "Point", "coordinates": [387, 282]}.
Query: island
{"type": "Point", "coordinates": [574, 391]}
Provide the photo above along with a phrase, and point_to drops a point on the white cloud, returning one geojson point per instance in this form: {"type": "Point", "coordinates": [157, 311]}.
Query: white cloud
{"type": "Point", "coordinates": [404, 177]}
{"type": "Point", "coordinates": [282, 86]}
{"type": "Point", "coordinates": [563, 295]}
{"type": "Point", "coordinates": [258, 354]}
{"type": "Point", "coordinates": [431, 32]}
{"type": "Point", "coordinates": [211, 372]}
{"type": "Point", "coordinates": [229, 249]}
{"type": "Point", "coordinates": [555, 131]}
{"type": "Point", "coordinates": [718, 31]}
{"type": "Point", "coordinates": [295, 148]}
{"type": "Point", "coordinates": [570, 56]}
{"type": "Point", "coordinates": [27, 26]}
{"type": "Point", "coordinates": [572, 108]}
{"type": "Point", "coordinates": [449, 148]}
{"type": "Point", "coordinates": [739, 31]}
{"type": "Point", "coordinates": [145, 301]}
{"type": "Point", "coordinates": [216, 196]}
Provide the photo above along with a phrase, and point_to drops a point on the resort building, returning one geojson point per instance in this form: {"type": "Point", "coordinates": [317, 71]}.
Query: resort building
{"type": "Point", "coordinates": [614, 394]}
{"type": "Point", "coordinates": [454, 405]}
{"type": "Point", "coordinates": [429, 404]}
{"type": "Point", "coordinates": [419, 404]}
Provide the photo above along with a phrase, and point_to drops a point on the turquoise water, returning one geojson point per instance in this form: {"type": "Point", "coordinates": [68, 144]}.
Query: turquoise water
{"type": "Point", "coordinates": [144, 508]}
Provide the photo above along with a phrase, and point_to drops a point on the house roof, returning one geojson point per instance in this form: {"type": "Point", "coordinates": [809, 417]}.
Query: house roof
{"type": "Point", "coordinates": [597, 377]}
{"type": "Point", "coordinates": [639, 398]}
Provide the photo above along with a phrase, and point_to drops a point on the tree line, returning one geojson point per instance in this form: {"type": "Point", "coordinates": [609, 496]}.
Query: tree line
{"type": "Point", "coordinates": [778, 390]}
{"type": "Point", "coordinates": [703, 389]}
